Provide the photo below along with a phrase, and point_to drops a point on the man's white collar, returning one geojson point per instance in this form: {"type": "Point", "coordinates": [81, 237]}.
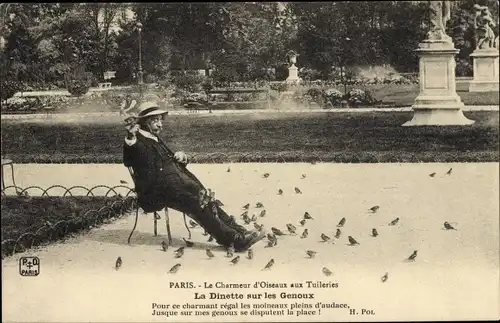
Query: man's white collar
{"type": "Point", "coordinates": [148, 134]}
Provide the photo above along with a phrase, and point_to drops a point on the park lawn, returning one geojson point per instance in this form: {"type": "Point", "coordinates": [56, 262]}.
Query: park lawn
{"type": "Point", "coordinates": [329, 137]}
{"type": "Point", "coordinates": [52, 218]}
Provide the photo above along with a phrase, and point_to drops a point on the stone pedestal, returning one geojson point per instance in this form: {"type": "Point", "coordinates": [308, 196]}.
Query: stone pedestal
{"type": "Point", "coordinates": [485, 70]}
{"type": "Point", "coordinates": [438, 103]}
{"type": "Point", "coordinates": [293, 74]}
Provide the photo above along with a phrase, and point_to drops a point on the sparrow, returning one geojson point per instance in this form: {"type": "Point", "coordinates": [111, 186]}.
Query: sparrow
{"type": "Point", "coordinates": [229, 170]}
{"type": "Point", "coordinates": [338, 233]}
{"type": "Point", "coordinates": [270, 244]}
{"type": "Point", "coordinates": [297, 190]}
{"type": "Point", "coordinates": [164, 246]}
{"type": "Point", "coordinates": [193, 224]}
{"type": "Point", "coordinates": [265, 175]}
{"type": "Point", "coordinates": [311, 253]}
{"type": "Point", "coordinates": [123, 182]}
{"type": "Point", "coordinates": [257, 226]}
{"type": "Point", "coordinates": [413, 256]}
{"type": "Point", "coordinates": [210, 253]}
{"type": "Point", "coordinates": [271, 237]}
{"type": "Point", "coordinates": [449, 171]}
{"type": "Point", "coordinates": [327, 271]}
{"type": "Point", "coordinates": [374, 232]}
{"type": "Point", "coordinates": [394, 222]}
{"type": "Point", "coordinates": [246, 206]}
{"type": "Point", "coordinates": [304, 234]}
{"type": "Point", "coordinates": [262, 213]}
{"type": "Point", "coordinates": [291, 228]}
{"type": "Point", "coordinates": [181, 249]}
{"type": "Point", "coordinates": [250, 254]}
{"type": "Point", "coordinates": [118, 263]}
{"type": "Point", "coordinates": [254, 218]}
{"type": "Point", "coordinates": [432, 174]}
{"type": "Point", "coordinates": [230, 251]}
{"type": "Point", "coordinates": [247, 220]}
{"type": "Point", "coordinates": [448, 226]}
{"type": "Point", "coordinates": [302, 222]}
{"type": "Point", "coordinates": [277, 231]}
{"type": "Point", "coordinates": [374, 208]}
{"type": "Point", "coordinates": [174, 269]}
{"type": "Point", "coordinates": [219, 203]}
{"type": "Point", "coordinates": [259, 205]}
{"type": "Point", "coordinates": [307, 216]}
{"type": "Point", "coordinates": [384, 278]}
{"type": "Point", "coordinates": [280, 192]}
{"type": "Point", "coordinates": [235, 260]}
{"type": "Point", "coordinates": [179, 253]}
{"type": "Point", "coordinates": [188, 243]}
{"type": "Point", "coordinates": [324, 237]}
{"type": "Point", "coordinates": [210, 239]}
{"type": "Point", "coordinates": [269, 264]}
{"type": "Point", "coordinates": [303, 176]}
{"type": "Point", "coordinates": [244, 214]}
{"type": "Point", "coordinates": [341, 223]}
{"type": "Point", "coordinates": [352, 241]}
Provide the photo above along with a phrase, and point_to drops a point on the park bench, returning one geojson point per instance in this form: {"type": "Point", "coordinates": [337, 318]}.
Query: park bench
{"type": "Point", "coordinates": [105, 85]}
{"type": "Point", "coordinates": [231, 91]}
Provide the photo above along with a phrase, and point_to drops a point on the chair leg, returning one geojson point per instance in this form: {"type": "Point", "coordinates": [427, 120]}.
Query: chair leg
{"type": "Point", "coordinates": [135, 224]}
{"type": "Point", "coordinates": [167, 222]}
{"type": "Point", "coordinates": [12, 172]}
{"type": "Point", "coordinates": [185, 223]}
{"type": "Point", "coordinates": [155, 224]}
{"type": "Point", "coordinates": [3, 183]}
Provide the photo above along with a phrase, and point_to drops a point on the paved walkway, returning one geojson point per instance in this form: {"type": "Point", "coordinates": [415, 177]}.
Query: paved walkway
{"type": "Point", "coordinates": [455, 275]}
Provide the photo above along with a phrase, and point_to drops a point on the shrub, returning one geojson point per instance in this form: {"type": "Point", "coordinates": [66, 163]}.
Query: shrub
{"type": "Point", "coordinates": [9, 88]}
{"type": "Point", "coordinates": [358, 97]}
{"type": "Point", "coordinates": [333, 96]}
{"type": "Point", "coordinates": [279, 87]}
{"type": "Point", "coordinates": [78, 86]}
{"type": "Point", "coordinates": [190, 81]}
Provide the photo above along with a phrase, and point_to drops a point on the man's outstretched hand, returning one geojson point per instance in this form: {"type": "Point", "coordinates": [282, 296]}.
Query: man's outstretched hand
{"type": "Point", "coordinates": [181, 157]}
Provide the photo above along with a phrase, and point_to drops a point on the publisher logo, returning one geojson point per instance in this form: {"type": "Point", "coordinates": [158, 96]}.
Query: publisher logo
{"type": "Point", "coordinates": [29, 266]}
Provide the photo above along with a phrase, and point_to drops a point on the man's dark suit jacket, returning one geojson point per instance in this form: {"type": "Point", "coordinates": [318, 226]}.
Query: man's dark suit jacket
{"type": "Point", "coordinates": [161, 181]}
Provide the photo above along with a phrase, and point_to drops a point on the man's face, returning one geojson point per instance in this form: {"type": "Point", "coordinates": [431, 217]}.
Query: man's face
{"type": "Point", "coordinates": [155, 124]}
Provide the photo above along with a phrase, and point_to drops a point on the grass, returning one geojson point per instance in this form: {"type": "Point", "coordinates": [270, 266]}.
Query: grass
{"type": "Point", "coordinates": [36, 220]}
{"type": "Point", "coordinates": [336, 137]}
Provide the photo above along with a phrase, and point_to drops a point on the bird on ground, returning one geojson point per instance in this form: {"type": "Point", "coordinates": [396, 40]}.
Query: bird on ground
{"type": "Point", "coordinates": [235, 260]}
{"type": "Point", "coordinates": [181, 249]}
{"type": "Point", "coordinates": [228, 169]}
{"type": "Point", "coordinates": [302, 222]}
{"type": "Point", "coordinates": [327, 272]}
{"type": "Point", "coordinates": [257, 226]}
{"type": "Point", "coordinates": [291, 228]}
{"type": "Point", "coordinates": [307, 216]}
{"type": "Point", "coordinates": [164, 246]}
{"type": "Point", "coordinates": [384, 278]}
{"type": "Point", "coordinates": [394, 222]}
{"type": "Point", "coordinates": [193, 224]}
{"type": "Point", "coordinates": [247, 220]}
{"type": "Point", "coordinates": [271, 237]}
{"type": "Point", "coordinates": [304, 234]}
{"type": "Point", "coordinates": [338, 234]}
{"type": "Point", "coordinates": [324, 237]}
{"type": "Point", "coordinates": [259, 205]}
{"type": "Point", "coordinates": [244, 214]}
{"type": "Point", "coordinates": [374, 208]}
{"type": "Point", "coordinates": [448, 226]}
{"type": "Point", "coordinates": [270, 244]}
{"type": "Point", "coordinates": [250, 254]}
{"type": "Point", "coordinates": [280, 192]}
{"type": "Point", "coordinates": [254, 218]}
{"type": "Point", "coordinates": [246, 206]}
{"type": "Point", "coordinates": [188, 243]}
{"type": "Point", "coordinates": [269, 264]}
{"type": "Point", "coordinates": [311, 253]}
{"type": "Point", "coordinates": [265, 175]}
{"type": "Point", "coordinates": [179, 253]}
{"type": "Point", "coordinates": [210, 254]}
{"type": "Point", "coordinates": [432, 174]}
{"type": "Point", "coordinates": [374, 232]}
{"type": "Point", "coordinates": [262, 213]}
{"type": "Point", "coordinates": [230, 251]}
{"type": "Point", "coordinates": [277, 231]}
{"type": "Point", "coordinates": [413, 256]}
{"type": "Point", "coordinates": [352, 241]}
{"type": "Point", "coordinates": [123, 182]}
{"type": "Point", "coordinates": [298, 191]}
{"type": "Point", "coordinates": [174, 269]}
{"type": "Point", "coordinates": [449, 171]}
{"type": "Point", "coordinates": [118, 263]}
{"type": "Point", "coordinates": [341, 223]}
{"type": "Point", "coordinates": [303, 176]}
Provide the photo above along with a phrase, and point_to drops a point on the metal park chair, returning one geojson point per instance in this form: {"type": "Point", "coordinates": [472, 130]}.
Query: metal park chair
{"type": "Point", "coordinates": [5, 163]}
{"type": "Point", "coordinates": [156, 217]}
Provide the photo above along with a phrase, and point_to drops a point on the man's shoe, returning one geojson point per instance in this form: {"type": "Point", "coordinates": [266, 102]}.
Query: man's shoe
{"type": "Point", "coordinates": [248, 240]}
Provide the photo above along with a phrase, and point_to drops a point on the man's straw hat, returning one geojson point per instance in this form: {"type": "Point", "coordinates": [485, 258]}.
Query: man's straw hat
{"type": "Point", "coordinates": [149, 109]}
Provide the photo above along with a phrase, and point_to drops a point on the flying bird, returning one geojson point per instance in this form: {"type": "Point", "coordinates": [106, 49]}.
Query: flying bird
{"type": "Point", "coordinates": [280, 192]}
{"type": "Point", "coordinates": [324, 237]}
{"type": "Point", "coordinates": [341, 223]}
{"type": "Point", "coordinates": [235, 260]}
{"type": "Point", "coordinates": [311, 253]}
{"type": "Point", "coordinates": [262, 213]}
{"type": "Point", "coordinates": [394, 222]}
{"type": "Point", "coordinates": [181, 249]}
{"type": "Point", "coordinates": [123, 182]}
{"type": "Point", "coordinates": [298, 191]}
{"type": "Point", "coordinates": [413, 256]}
{"type": "Point", "coordinates": [432, 174]}
{"type": "Point", "coordinates": [244, 214]}
{"type": "Point", "coordinates": [259, 205]}
{"type": "Point", "coordinates": [304, 234]}
{"type": "Point", "coordinates": [374, 208]}
{"type": "Point", "coordinates": [302, 222]}
{"type": "Point", "coordinates": [352, 241]}
{"type": "Point", "coordinates": [449, 171]}
{"type": "Point", "coordinates": [250, 254]}
{"type": "Point", "coordinates": [174, 269]}
{"type": "Point", "coordinates": [265, 175]}
{"type": "Point", "coordinates": [277, 231]}
{"type": "Point", "coordinates": [448, 226]}
{"type": "Point", "coordinates": [269, 264]}
{"type": "Point", "coordinates": [164, 246]}
{"type": "Point", "coordinates": [118, 263]}
{"type": "Point", "coordinates": [384, 278]}
{"type": "Point", "coordinates": [291, 228]}
{"type": "Point", "coordinates": [327, 272]}
{"type": "Point", "coordinates": [193, 224]}
{"type": "Point", "coordinates": [307, 216]}
{"type": "Point", "coordinates": [210, 253]}
{"type": "Point", "coordinates": [188, 243]}
{"type": "Point", "coordinates": [374, 232]}
{"type": "Point", "coordinates": [338, 233]}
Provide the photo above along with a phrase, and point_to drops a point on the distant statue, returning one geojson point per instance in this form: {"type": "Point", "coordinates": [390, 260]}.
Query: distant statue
{"type": "Point", "coordinates": [483, 23]}
{"type": "Point", "coordinates": [440, 14]}
{"type": "Point", "coordinates": [292, 57]}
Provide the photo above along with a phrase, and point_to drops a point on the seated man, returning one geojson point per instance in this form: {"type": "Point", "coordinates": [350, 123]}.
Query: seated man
{"type": "Point", "coordinates": [162, 180]}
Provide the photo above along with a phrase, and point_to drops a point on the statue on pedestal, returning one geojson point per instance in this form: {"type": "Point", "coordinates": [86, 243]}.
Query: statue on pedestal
{"type": "Point", "coordinates": [440, 14]}
{"type": "Point", "coordinates": [483, 23]}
